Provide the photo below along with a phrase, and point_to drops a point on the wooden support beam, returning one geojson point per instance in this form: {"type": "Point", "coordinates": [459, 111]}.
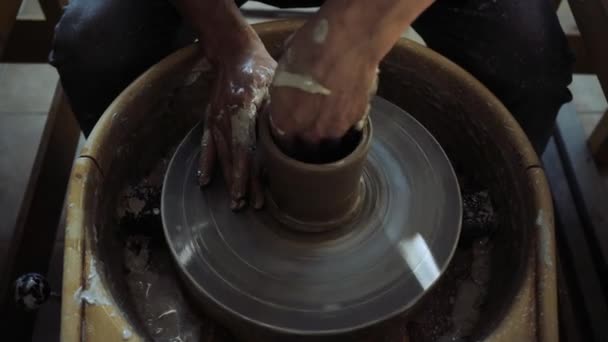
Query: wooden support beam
{"type": "Point", "coordinates": [592, 20]}
{"type": "Point", "coordinates": [598, 141]}
{"type": "Point", "coordinates": [588, 189]}
{"type": "Point", "coordinates": [29, 42]}
{"type": "Point", "coordinates": [580, 276]}
{"type": "Point", "coordinates": [582, 64]}
{"type": "Point", "coordinates": [40, 212]}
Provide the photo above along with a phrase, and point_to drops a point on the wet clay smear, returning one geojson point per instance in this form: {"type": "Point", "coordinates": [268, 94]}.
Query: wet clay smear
{"type": "Point", "coordinates": [451, 312]}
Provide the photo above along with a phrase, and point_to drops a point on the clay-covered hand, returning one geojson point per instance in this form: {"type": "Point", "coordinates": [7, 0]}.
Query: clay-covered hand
{"type": "Point", "coordinates": [322, 87]}
{"type": "Point", "coordinates": [240, 92]}
{"type": "Point", "coordinates": [324, 80]}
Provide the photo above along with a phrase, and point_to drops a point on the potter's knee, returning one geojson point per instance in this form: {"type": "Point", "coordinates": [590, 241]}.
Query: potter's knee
{"type": "Point", "coordinates": [63, 45]}
{"type": "Point", "coordinates": [548, 72]}
{"type": "Point", "coordinates": [546, 59]}
{"type": "Point", "coordinates": [69, 42]}
{"type": "Point", "coordinates": [86, 35]}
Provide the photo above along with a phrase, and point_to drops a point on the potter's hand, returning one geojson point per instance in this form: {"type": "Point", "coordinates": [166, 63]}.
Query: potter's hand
{"type": "Point", "coordinates": [240, 91]}
{"type": "Point", "coordinates": [324, 81]}
{"type": "Point", "coordinates": [244, 71]}
{"type": "Point", "coordinates": [320, 94]}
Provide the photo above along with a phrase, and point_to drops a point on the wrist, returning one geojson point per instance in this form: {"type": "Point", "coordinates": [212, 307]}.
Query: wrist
{"type": "Point", "coordinates": [367, 28]}
{"type": "Point", "coordinates": [319, 47]}
{"type": "Point", "coordinates": [221, 28]}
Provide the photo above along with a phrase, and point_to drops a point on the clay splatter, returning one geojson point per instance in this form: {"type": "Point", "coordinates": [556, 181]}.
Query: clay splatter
{"type": "Point", "coordinates": [94, 294]}
{"type": "Point", "coordinates": [126, 334]}
{"type": "Point", "coordinates": [546, 232]}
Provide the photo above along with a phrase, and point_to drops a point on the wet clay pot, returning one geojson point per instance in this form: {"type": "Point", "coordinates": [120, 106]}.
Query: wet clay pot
{"type": "Point", "coordinates": [143, 125]}
{"type": "Point", "coordinates": [312, 197]}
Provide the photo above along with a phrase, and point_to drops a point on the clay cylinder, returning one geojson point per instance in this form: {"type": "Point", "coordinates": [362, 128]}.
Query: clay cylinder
{"type": "Point", "coordinates": [312, 197]}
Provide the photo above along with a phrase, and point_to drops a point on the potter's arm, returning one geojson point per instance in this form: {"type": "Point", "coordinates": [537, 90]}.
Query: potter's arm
{"type": "Point", "coordinates": [340, 49]}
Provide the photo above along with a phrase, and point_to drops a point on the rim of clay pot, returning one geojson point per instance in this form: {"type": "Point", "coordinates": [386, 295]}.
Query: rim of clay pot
{"type": "Point", "coordinates": [362, 148]}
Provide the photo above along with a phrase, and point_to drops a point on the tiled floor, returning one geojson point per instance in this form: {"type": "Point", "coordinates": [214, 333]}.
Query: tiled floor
{"type": "Point", "coordinates": [29, 87]}
{"type": "Point", "coordinates": [25, 97]}
{"type": "Point", "coordinates": [589, 100]}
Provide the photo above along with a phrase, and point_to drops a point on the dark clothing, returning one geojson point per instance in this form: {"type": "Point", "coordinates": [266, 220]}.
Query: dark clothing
{"type": "Point", "coordinates": [515, 47]}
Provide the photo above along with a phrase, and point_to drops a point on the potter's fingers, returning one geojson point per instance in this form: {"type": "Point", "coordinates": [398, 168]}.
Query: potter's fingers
{"type": "Point", "coordinates": [256, 196]}
{"type": "Point", "coordinates": [277, 131]}
{"type": "Point", "coordinates": [329, 127]}
{"type": "Point", "coordinates": [363, 121]}
{"type": "Point", "coordinates": [207, 158]}
{"type": "Point", "coordinates": [224, 154]}
{"type": "Point", "coordinates": [243, 125]}
{"type": "Point", "coordinates": [372, 92]}
{"type": "Point", "coordinates": [285, 142]}
{"type": "Point", "coordinates": [311, 138]}
{"type": "Point", "coordinates": [264, 107]}
{"type": "Point", "coordinates": [240, 176]}
{"type": "Point", "coordinates": [374, 86]}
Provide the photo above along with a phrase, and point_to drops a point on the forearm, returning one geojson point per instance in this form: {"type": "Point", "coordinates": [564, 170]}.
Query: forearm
{"type": "Point", "coordinates": [220, 26]}
{"type": "Point", "coordinates": [328, 74]}
{"type": "Point", "coordinates": [374, 24]}
{"type": "Point", "coordinates": [358, 27]}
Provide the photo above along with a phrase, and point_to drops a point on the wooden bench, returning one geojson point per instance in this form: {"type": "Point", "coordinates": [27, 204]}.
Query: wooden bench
{"type": "Point", "coordinates": [591, 49]}
{"type": "Point", "coordinates": [579, 192]}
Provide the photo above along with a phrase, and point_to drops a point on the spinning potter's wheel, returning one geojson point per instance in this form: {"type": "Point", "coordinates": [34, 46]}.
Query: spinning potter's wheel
{"type": "Point", "coordinates": [252, 267]}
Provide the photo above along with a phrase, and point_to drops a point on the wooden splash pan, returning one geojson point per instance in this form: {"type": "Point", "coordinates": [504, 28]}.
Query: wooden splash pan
{"type": "Point", "coordinates": [481, 138]}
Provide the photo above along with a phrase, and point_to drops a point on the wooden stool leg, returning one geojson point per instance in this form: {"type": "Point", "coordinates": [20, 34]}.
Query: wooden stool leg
{"type": "Point", "coordinates": [8, 17]}
{"type": "Point", "coordinates": [598, 141]}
